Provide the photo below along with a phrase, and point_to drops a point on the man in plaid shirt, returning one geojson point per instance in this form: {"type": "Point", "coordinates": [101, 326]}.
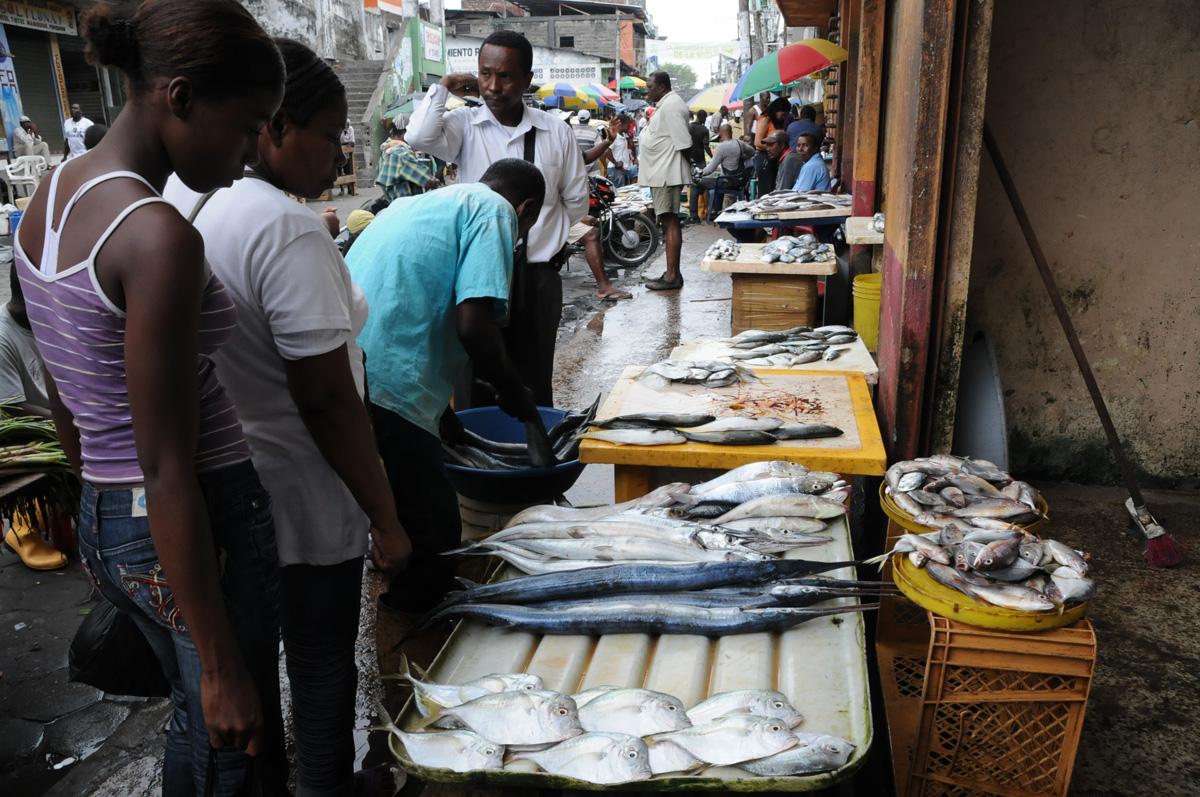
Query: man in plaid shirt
{"type": "Point", "coordinates": [401, 173]}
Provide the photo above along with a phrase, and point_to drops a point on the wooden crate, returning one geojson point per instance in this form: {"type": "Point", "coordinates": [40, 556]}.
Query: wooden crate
{"type": "Point", "coordinates": [773, 301]}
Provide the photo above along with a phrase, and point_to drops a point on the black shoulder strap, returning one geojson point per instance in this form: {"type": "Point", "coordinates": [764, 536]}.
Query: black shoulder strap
{"type": "Point", "coordinates": [530, 143]}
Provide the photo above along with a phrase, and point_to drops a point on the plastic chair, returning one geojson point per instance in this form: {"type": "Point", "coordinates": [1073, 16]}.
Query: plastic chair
{"type": "Point", "coordinates": [25, 171]}
{"type": "Point", "coordinates": [736, 185]}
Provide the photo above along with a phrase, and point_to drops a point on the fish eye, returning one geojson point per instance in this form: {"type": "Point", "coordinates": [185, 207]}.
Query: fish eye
{"type": "Point", "coordinates": [775, 728]}
{"type": "Point", "coordinates": [489, 751]}
{"type": "Point", "coordinates": [631, 754]}
{"type": "Point", "coordinates": [528, 687]}
{"type": "Point", "coordinates": [562, 711]}
{"type": "Point", "coordinates": [777, 704]}
{"type": "Point", "coordinates": [670, 707]}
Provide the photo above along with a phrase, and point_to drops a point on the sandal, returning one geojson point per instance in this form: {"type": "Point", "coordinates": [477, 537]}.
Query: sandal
{"type": "Point", "coordinates": [615, 295]}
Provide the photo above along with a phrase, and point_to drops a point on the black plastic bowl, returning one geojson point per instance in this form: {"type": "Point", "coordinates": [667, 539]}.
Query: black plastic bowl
{"type": "Point", "coordinates": [510, 487]}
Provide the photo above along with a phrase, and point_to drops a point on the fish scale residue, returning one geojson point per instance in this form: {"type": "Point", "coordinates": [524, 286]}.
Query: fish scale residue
{"type": "Point", "coordinates": [777, 403]}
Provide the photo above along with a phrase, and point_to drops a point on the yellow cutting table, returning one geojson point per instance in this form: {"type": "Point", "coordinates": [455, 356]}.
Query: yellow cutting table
{"type": "Point", "coordinates": [771, 295]}
{"type": "Point", "coordinates": [839, 398]}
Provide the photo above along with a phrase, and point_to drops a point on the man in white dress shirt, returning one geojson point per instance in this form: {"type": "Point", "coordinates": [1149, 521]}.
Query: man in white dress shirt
{"type": "Point", "coordinates": [503, 127]}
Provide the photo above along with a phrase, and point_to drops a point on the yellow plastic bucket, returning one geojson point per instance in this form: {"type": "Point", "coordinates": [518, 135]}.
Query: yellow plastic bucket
{"type": "Point", "coordinates": [866, 291]}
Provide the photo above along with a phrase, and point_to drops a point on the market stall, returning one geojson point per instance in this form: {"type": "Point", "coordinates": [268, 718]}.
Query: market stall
{"type": "Point", "coordinates": [701, 636]}
{"type": "Point", "coordinates": [770, 295]}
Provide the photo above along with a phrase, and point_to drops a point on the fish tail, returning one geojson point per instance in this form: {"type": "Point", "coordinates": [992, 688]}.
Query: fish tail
{"type": "Point", "coordinates": [426, 721]}
{"type": "Point", "coordinates": [878, 560]}
{"type": "Point", "coordinates": [466, 582]}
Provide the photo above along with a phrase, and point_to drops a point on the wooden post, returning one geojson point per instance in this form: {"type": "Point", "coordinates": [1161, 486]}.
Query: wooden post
{"type": "Point", "coordinates": [920, 39]}
{"type": "Point", "coordinates": [964, 128]}
{"type": "Point", "coordinates": [861, 153]}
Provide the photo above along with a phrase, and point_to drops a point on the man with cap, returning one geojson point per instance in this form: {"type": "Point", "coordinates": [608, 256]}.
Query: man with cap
{"type": "Point", "coordinates": [73, 130]}
{"type": "Point", "coordinates": [401, 173]}
{"type": "Point", "coordinates": [587, 137]}
{"type": "Point", "coordinates": [26, 140]}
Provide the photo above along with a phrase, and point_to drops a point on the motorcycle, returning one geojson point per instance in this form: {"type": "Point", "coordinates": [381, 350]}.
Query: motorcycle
{"type": "Point", "coordinates": [629, 237]}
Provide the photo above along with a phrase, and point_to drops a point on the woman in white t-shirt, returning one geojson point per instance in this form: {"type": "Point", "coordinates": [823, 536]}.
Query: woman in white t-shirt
{"type": "Point", "coordinates": [296, 377]}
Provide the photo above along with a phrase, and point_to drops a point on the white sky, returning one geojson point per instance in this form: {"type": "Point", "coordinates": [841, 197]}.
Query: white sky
{"type": "Point", "coordinates": [695, 20]}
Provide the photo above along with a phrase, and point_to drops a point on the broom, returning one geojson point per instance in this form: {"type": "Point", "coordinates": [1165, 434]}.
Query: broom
{"type": "Point", "coordinates": [1161, 548]}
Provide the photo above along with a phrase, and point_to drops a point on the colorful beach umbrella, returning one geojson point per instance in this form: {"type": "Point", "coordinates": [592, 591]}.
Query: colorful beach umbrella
{"type": "Point", "coordinates": [712, 98]}
{"type": "Point", "coordinates": [601, 94]}
{"type": "Point", "coordinates": [787, 65]}
{"type": "Point", "coordinates": [627, 83]}
{"type": "Point", "coordinates": [565, 96]}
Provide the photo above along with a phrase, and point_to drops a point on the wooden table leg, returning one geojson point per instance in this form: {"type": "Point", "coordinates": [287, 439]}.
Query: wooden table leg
{"type": "Point", "coordinates": [630, 481]}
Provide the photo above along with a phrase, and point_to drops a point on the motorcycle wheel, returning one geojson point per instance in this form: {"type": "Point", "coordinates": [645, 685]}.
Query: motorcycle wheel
{"type": "Point", "coordinates": [631, 239]}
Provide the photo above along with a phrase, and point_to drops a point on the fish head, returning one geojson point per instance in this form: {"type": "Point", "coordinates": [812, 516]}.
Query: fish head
{"type": "Point", "coordinates": [521, 682]}
{"type": "Point", "coordinates": [667, 710]}
{"type": "Point", "coordinates": [557, 714]}
{"type": "Point", "coordinates": [775, 705]}
{"type": "Point", "coordinates": [772, 734]}
{"type": "Point", "coordinates": [1030, 553]}
{"type": "Point", "coordinates": [482, 754]}
{"type": "Point", "coordinates": [626, 760]}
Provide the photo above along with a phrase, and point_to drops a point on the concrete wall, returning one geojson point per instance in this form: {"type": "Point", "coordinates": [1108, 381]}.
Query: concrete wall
{"type": "Point", "coordinates": [333, 28]}
{"type": "Point", "coordinates": [1096, 107]}
{"type": "Point", "coordinates": [597, 36]}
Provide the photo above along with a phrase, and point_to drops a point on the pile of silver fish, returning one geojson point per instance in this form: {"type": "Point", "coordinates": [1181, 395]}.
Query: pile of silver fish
{"type": "Point", "coordinates": [976, 546]}
{"type": "Point", "coordinates": [786, 201]}
{"type": "Point", "coordinates": [1008, 567]}
{"type": "Point", "coordinates": [701, 559]}
{"type": "Point", "coordinates": [712, 373]}
{"type": "Point", "coordinates": [724, 249]}
{"type": "Point", "coordinates": [666, 428]}
{"type": "Point", "coordinates": [797, 249]}
{"type": "Point", "coordinates": [786, 348]}
{"type": "Point", "coordinates": [607, 734]}
{"type": "Point", "coordinates": [944, 489]}
{"type": "Point", "coordinates": [483, 454]}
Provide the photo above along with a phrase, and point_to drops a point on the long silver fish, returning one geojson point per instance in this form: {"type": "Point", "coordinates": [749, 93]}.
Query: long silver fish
{"type": "Point", "coordinates": [777, 527]}
{"type": "Point", "coordinates": [815, 753]}
{"type": "Point", "coordinates": [733, 437]}
{"type": "Point", "coordinates": [680, 532]}
{"type": "Point", "coordinates": [784, 506]}
{"type": "Point", "coordinates": [641, 618]}
{"type": "Point", "coordinates": [457, 750]}
{"type": "Point", "coordinates": [603, 758]}
{"type": "Point", "coordinates": [1013, 596]}
{"type": "Point", "coordinates": [641, 712]}
{"type": "Point", "coordinates": [807, 431]}
{"type": "Point", "coordinates": [518, 718]}
{"type": "Point", "coordinates": [757, 702]}
{"type": "Point", "coordinates": [735, 739]}
{"type": "Point", "coordinates": [740, 492]}
{"type": "Point", "coordinates": [739, 423]}
{"type": "Point", "coordinates": [661, 496]}
{"type": "Point", "coordinates": [612, 549]}
{"type": "Point", "coordinates": [655, 420]}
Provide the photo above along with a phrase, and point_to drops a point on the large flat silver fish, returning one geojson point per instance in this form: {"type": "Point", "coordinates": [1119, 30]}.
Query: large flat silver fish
{"type": "Point", "coordinates": [636, 437]}
{"type": "Point", "coordinates": [757, 702]}
{"type": "Point", "coordinates": [603, 758]}
{"type": "Point", "coordinates": [519, 718]}
{"type": "Point", "coordinates": [784, 506]}
{"type": "Point", "coordinates": [735, 739]}
{"type": "Point", "coordinates": [641, 712]}
{"type": "Point", "coordinates": [815, 753]}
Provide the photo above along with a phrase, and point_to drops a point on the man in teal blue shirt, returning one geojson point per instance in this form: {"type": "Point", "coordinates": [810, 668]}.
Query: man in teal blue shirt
{"type": "Point", "coordinates": [436, 270]}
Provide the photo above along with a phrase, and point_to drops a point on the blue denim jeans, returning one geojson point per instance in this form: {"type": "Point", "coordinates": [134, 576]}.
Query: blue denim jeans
{"type": "Point", "coordinates": [319, 616]}
{"type": "Point", "coordinates": [118, 553]}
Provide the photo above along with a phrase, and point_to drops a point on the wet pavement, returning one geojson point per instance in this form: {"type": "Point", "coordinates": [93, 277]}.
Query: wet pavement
{"type": "Point", "coordinates": [1138, 734]}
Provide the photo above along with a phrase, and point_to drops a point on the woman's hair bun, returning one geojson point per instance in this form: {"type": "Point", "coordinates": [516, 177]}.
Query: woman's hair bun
{"type": "Point", "coordinates": [110, 42]}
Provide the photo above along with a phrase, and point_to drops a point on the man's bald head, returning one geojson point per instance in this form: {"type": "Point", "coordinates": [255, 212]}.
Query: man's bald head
{"type": "Point", "coordinates": [725, 132]}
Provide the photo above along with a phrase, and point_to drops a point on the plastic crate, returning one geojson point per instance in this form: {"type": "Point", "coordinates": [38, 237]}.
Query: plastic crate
{"type": "Point", "coordinates": [1001, 713]}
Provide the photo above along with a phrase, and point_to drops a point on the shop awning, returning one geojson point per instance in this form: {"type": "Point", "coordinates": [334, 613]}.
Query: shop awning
{"type": "Point", "coordinates": [807, 13]}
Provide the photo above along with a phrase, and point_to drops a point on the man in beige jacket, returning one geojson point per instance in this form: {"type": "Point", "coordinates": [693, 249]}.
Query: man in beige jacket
{"type": "Point", "coordinates": [664, 168]}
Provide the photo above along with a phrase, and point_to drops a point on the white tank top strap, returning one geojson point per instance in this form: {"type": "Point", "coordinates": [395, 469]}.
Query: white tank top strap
{"type": "Point", "coordinates": [49, 264]}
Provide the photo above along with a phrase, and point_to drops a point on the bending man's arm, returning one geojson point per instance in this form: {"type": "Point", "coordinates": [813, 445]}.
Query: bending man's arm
{"type": "Point", "coordinates": [481, 338]}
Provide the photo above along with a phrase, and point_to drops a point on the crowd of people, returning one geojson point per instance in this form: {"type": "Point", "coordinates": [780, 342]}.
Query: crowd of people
{"type": "Point", "coordinates": [253, 416]}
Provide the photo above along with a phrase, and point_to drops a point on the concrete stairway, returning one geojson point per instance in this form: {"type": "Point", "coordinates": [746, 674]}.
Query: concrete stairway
{"type": "Point", "coordinates": [360, 79]}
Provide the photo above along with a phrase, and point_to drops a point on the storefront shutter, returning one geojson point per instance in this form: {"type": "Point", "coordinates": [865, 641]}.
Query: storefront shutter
{"type": "Point", "coordinates": [83, 81]}
{"type": "Point", "coordinates": [35, 79]}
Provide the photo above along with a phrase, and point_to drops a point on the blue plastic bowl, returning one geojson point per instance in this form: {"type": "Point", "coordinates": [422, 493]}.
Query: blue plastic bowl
{"type": "Point", "coordinates": [510, 487]}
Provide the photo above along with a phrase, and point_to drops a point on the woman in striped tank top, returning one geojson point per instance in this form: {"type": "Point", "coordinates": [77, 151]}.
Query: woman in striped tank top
{"type": "Point", "coordinates": [175, 528]}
